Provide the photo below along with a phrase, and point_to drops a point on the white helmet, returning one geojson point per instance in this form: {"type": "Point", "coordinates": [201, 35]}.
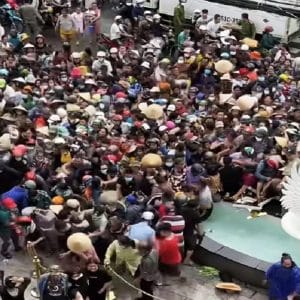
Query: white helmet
{"type": "Point", "coordinates": [54, 118]}
{"type": "Point", "coordinates": [156, 17]}
{"type": "Point", "coordinates": [113, 50]}
{"type": "Point", "coordinates": [75, 55]}
{"type": "Point", "coordinates": [61, 112]}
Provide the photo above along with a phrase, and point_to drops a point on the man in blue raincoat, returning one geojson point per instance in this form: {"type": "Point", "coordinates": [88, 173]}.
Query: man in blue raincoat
{"type": "Point", "coordinates": [283, 279]}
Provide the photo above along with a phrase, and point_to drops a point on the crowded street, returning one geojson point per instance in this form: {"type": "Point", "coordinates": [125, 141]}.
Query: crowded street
{"type": "Point", "coordinates": [149, 150]}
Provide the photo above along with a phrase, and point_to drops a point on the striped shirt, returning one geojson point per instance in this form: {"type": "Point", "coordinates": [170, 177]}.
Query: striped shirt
{"type": "Point", "coordinates": [177, 226]}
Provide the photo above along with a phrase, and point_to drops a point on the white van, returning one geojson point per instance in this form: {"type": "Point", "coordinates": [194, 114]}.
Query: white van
{"type": "Point", "coordinates": [282, 15]}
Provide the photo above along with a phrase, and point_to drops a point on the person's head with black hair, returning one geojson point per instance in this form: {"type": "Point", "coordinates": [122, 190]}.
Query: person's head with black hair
{"type": "Point", "coordinates": [245, 16]}
{"type": "Point", "coordinates": [287, 261]}
{"type": "Point", "coordinates": [9, 282]}
{"type": "Point", "coordinates": [88, 51]}
{"type": "Point", "coordinates": [126, 242]}
{"type": "Point", "coordinates": [164, 230]}
{"type": "Point", "coordinates": [227, 160]}
{"type": "Point", "coordinates": [99, 210]}
{"type": "Point", "coordinates": [217, 18]}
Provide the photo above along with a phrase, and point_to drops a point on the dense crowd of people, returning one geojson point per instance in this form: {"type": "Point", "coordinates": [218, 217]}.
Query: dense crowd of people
{"type": "Point", "coordinates": [114, 156]}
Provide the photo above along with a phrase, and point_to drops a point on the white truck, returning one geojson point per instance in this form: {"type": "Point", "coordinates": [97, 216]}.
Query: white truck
{"type": "Point", "coordinates": [282, 15]}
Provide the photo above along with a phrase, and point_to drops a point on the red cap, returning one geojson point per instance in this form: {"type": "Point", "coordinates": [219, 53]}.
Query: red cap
{"type": "Point", "coordinates": [252, 76]}
{"type": "Point", "coordinates": [272, 163]}
{"type": "Point", "coordinates": [120, 95]}
{"type": "Point", "coordinates": [243, 71]}
{"type": "Point", "coordinates": [30, 175]}
{"type": "Point", "coordinates": [19, 150]}
{"type": "Point", "coordinates": [9, 203]}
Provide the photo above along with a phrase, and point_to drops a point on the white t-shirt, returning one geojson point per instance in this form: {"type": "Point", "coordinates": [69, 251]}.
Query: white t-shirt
{"type": "Point", "coordinates": [115, 32]}
{"type": "Point", "coordinates": [205, 198]}
{"type": "Point", "coordinates": [2, 32]}
{"type": "Point", "coordinates": [213, 28]}
{"type": "Point", "coordinates": [78, 20]}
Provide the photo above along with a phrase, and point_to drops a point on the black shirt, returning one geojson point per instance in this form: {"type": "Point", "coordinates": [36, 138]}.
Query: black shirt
{"type": "Point", "coordinates": [127, 187]}
{"type": "Point", "coordinates": [191, 217]}
{"type": "Point", "coordinates": [21, 289]}
{"type": "Point", "coordinates": [96, 281]}
{"type": "Point", "coordinates": [81, 284]}
{"type": "Point", "coordinates": [231, 178]}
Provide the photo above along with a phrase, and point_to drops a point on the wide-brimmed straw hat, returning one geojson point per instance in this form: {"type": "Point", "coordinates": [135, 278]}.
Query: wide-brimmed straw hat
{"type": "Point", "coordinates": [153, 112]}
{"type": "Point", "coordinates": [246, 102]}
{"type": "Point", "coordinates": [223, 66]}
{"type": "Point", "coordinates": [79, 242]}
{"type": "Point", "coordinates": [151, 160]}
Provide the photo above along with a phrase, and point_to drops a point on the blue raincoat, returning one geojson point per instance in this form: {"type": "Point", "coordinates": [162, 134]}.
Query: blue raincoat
{"type": "Point", "coordinates": [282, 281]}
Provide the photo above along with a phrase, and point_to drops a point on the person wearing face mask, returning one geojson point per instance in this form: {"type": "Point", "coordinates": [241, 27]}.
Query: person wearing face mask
{"type": "Point", "coordinates": [207, 81]}
{"type": "Point", "coordinates": [115, 60]}
{"type": "Point", "coordinates": [157, 29]}
{"type": "Point", "coordinates": [126, 183]}
{"type": "Point", "coordinates": [260, 142]}
{"type": "Point", "coordinates": [14, 287]}
{"type": "Point", "coordinates": [169, 163]}
{"type": "Point", "coordinates": [148, 182]}
{"type": "Point", "coordinates": [96, 67]}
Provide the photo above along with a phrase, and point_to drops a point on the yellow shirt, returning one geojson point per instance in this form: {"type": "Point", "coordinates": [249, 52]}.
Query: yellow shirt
{"type": "Point", "coordinates": [128, 256]}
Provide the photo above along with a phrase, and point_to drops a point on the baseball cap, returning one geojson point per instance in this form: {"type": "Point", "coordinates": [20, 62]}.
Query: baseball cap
{"type": "Point", "coordinates": [148, 215]}
{"type": "Point", "coordinates": [9, 203]}
{"type": "Point", "coordinates": [101, 54]}
{"type": "Point", "coordinates": [171, 107]}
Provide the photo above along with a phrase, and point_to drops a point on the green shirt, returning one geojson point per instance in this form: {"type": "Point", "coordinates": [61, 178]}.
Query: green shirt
{"type": "Point", "coordinates": [268, 41]}
{"type": "Point", "coordinates": [181, 39]}
{"type": "Point", "coordinates": [5, 217]}
{"type": "Point", "coordinates": [179, 18]}
{"type": "Point", "coordinates": [247, 29]}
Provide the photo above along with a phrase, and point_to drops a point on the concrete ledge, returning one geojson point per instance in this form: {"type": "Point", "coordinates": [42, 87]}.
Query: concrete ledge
{"type": "Point", "coordinates": [243, 267]}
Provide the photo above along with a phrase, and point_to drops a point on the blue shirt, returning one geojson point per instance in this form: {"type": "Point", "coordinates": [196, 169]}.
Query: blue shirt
{"type": "Point", "coordinates": [20, 196]}
{"type": "Point", "coordinates": [141, 232]}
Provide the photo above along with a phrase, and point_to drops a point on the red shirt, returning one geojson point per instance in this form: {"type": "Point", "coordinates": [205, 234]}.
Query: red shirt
{"type": "Point", "coordinates": [168, 250]}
